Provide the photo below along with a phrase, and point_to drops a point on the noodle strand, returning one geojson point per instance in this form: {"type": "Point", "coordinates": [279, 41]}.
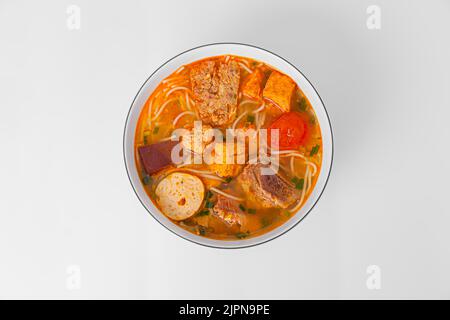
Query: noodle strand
{"type": "Point", "coordinates": [181, 115]}
{"type": "Point", "coordinates": [161, 109]}
{"type": "Point", "coordinates": [226, 194]}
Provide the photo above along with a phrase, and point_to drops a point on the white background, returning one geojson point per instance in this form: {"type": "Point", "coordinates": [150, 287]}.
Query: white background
{"type": "Point", "coordinates": [65, 198]}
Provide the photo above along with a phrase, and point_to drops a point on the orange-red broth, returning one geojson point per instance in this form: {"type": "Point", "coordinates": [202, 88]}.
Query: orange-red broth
{"type": "Point", "coordinates": [260, 220]}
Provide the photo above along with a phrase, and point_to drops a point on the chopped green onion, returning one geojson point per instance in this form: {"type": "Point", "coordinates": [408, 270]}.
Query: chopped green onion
{"type": "Point", "coordinates": [294, 180]}
{"type": "Point", "coordinates": [201, 230]}
{"type": "Point", "coordinates": [203, 213]}
{"type": "Point", "coordinates": [302, 104]}
{"type": "Point", "coordinates": [209, 204]}
{"type": "Point", "coordinates": [242, 235]}
{"type": "Point", "coordinates": [250, 118]}
{"type": "Point", "coordinates": [147, 180]}
{"type": "Point", "coordinates": [155, 130]}
{"type": "Point", "coordinates": [314, 150]}
{"type": "Point", "coordinates": [251, 211]}
{"type": "Point", "coordinates": [299, 185]}
{"type": "Point", "coordinates": [241, 207]}
{"type": "Point", "coordinates": [265, 222]}
{"type": "Point", "coordinates": [228, 179]}
{"type": "Point", "coordinates": [209, 194]}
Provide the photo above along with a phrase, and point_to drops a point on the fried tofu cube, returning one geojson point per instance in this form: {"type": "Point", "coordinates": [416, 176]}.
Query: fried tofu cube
{"type": "Point", "coordinates": [225, 170]}
{"type": "Point", "coordinates": [252, 85]}
{"type": "Point", "coordinates": [221, 165]}
{"type": "Point", "coordinates": [279, 89]}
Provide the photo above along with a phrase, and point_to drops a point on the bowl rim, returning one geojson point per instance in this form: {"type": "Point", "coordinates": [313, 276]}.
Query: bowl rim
{"type": "Point", "coordinates": [215, 243]}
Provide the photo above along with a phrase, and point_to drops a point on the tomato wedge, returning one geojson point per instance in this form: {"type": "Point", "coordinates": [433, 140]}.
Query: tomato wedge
{"type": "Point", "coordinates": [293, 130]}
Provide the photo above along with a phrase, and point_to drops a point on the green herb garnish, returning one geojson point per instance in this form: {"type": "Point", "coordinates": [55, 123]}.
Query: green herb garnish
{"type": "Point", "coordinates": [314, 150]}
{"type": "Point", "coordinates": [242, 235]}
{"type": "Point", "coordinates": [203, 213]}
{"type": "Point", "coordinates": [209, 194]}
{"type": "Point", "coordinates": [146, 134]}
{"type": "Point", "coordinates": [146, 180]}
{"type": "Point", "coordinates": [251, 211]}
{"type": "Point", "coordinates": [228, 179]}
{"type": "Point", "coordinates": [241, 206]}
{"type": "Point", "coordinates": [155, 130]}
{"type": "Point", "coordinates": [302, 104]}
{"type": "Point", "coordinates": [250, 118]}
{"type": "Point", "coordinates": [209, 204]}
{"type": "Point", "coordinates": [201, 230]}
{"type": "Point", "coordinates": [299, 184]}
{"type": "Point", "coordinates": [265, 222]}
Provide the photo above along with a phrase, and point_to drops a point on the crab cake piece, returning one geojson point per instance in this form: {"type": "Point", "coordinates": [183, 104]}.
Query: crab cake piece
{"type": "Point", "coordinates": [215, 87]}
{"type": "Point", "coordinates": [180, 195]}
{"type": "Point", "coordinates": [279, 89]}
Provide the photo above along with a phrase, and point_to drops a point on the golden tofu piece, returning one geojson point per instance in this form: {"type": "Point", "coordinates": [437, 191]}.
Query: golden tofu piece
{"type": "Point", "coordinates": [225, 170]}
{"type": "Point", "coordinates": [252, 85]}
{"type": "Point", "coordinates": [279, 89]}
{"type": "Point", "coordinates": [221, 166]}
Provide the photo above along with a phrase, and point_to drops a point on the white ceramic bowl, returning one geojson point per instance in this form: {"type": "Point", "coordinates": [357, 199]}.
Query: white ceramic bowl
{"type": "Point", "coordinates": [216, 50]}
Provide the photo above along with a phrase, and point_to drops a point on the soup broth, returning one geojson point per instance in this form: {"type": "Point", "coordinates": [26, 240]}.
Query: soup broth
{"type": "Point", "coordinates": [228, 201]}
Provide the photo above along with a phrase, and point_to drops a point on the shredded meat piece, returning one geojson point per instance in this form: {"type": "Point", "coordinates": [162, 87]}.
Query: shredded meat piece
{"type": "Point", "coordinates": [268, 190]}
{"type": "Point", "coordinates": [215, 86]}
{"type": "Point", "coordinates": [228, 210]}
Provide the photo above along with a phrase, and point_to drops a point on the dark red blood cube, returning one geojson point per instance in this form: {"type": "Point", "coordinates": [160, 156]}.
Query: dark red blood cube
{"type": "Point", "coordinates": [156, 156]}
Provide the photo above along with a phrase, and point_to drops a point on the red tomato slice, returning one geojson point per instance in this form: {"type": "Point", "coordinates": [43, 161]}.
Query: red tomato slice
{"type": "Point", "coordinates": [293, 130]}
